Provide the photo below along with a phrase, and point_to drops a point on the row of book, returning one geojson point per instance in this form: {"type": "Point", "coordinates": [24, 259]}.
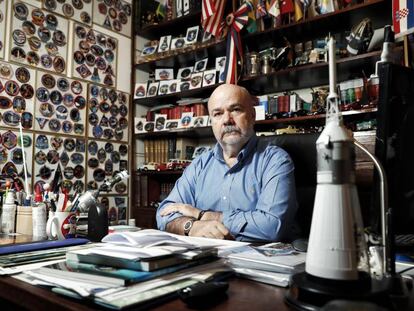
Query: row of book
{"type": "Point", "coordinates": [164, 149]}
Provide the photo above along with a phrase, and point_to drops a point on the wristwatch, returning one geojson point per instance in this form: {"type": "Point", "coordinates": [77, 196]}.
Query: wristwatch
{"type": "Point", "coordinates": [188, 225]}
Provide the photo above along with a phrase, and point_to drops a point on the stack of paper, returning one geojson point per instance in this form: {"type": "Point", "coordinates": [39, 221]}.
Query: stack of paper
{"type": "Point", "coordinates": [271, 263]}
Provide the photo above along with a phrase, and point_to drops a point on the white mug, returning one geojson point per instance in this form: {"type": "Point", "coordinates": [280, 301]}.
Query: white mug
{"type": "Point", "coordinates": [61, 225]}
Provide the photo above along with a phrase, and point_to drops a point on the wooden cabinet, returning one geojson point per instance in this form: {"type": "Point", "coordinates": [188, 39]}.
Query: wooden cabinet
{"type": "Point", "coordinates": [290, 78]}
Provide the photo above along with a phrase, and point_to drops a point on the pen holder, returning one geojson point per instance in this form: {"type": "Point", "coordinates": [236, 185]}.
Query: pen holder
{"type": "Point", "coordinates": [8, 218]}
{"type": "Point", "coordinates": [62, 225]}
{"type": "Point", "coordinates": [24, 220]}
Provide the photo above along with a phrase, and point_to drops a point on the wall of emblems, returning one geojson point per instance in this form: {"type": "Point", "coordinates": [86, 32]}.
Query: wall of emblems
{"type": "Point", "coordinates": [61, 84]}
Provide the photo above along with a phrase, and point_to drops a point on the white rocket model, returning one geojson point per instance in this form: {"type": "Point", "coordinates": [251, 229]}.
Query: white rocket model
{"type": "Point", "coordinates": [336, 236]}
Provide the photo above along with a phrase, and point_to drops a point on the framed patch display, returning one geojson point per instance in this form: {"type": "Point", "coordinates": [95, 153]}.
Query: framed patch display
{"type": "Point", "coordinates": [164, 74]}
{"type": "Point", "coordinates": [57, 155]}
{"type": "Point", "coordinates": [114, 15]}
{"type": "Point", "coordinates": [104, 160]}
{"type": "Point", "coordinates": [78, 10]}
{"type": "Point", "coordinates": [164, 44]}
{"type": "Point", "coordinates": [60, 104]}
{"type": "Point", "coordinates": [3, 8]}
{"type": "Point", "coordinates": [209, 77]}
{"type": "Point", "coordinates": [117, 209]}
{"type": "Point", "coordinates": [152, 89]}
{"type": "Point", "coordinates": [196, 80]}
{"type": "Point", "coordinates": [200, 65]}
{"type": "Point", "coordinates": [140, 90]}
{"type": "Point", "coordinates": [200, 121]}
{"type": "Point", "coordinates": [160, 120]}
{"type": "Point", "coordinates": [149, 50]}
{"type": "Point", "coordinates": [11, 154]}
{"type": "Point", "coordinates": [139, 125]}
{"type": "Point", "coordinates": [164, 87]}
{"type": "Point", "coordinates": [94, 56]}
{"type": "Point", "coordinates": [177, 43]}
{"type": "Point", "coordinates": [38, 38]}
{"type": "Point", "coordinates": [185, 72]}
{"type": "Point", "coordinates": [108, 114]}
{"type": "Point", "coordinates": [17, 95]}
{"type": "Point", "coordinates": [192, 35]}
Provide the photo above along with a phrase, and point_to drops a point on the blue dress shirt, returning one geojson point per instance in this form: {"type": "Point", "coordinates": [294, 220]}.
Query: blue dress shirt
{"type": "Point", "coordinates": [257, 196]}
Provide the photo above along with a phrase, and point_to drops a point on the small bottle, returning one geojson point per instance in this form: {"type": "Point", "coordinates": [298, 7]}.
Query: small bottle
{"type": "Point", "coordinates": [8, 218]}
{"type": "Point", "coordinates": [39, 216]}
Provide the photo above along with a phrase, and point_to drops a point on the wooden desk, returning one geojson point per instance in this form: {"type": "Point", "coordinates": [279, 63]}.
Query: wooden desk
{"type": "Point", "coordinates": [242, 295]}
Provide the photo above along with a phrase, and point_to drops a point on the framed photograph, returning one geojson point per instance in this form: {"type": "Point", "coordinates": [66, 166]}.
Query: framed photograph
{"type": "Point", "coordinates": [173, 86]}
{"type": "Point", "coordinates": [196, 80]}
{"type": "Point", "coordinates": [139, 125]}
{"type": "Point", "coordinates": [200, 121]}
{"type": "Point", "coordinates": [185, 121]}
{"type": "Point", "coordinates": [172, 124]}
{"type": "Point", "coordinates": [192, 35]}
{"type": "Point", "coordinates": [220, 62]}
{"type": "Point", "coordinates": [184, 86]}
{"type": "Point", "coordinates": [140, 90]}
{"type": "Point", "coordinates": [164, 44]}
{"type": "Point", "coordinates": [209, 77]}
{"type": "Point", "coordinates": [185, 73]}
{"type": "Point", "coordinates": [149, 50]}
{"type": "Point", "coordinates": [153, 89]}
{"type": "Point", "coordinates": [113, 15]}
{"type": "Point", "coordinates": [164, 74]}
{"type": "Point", "coordinates": [177, 43]}
{"type": "Point", "coordinates": [76, 10]}
{"type": "Point", "coordinates": [201, 65]}
{"type": "Point", "coordinates": [163, 88]}
{"type": "Point", "coordinates": [206, 36]}
{"type": "Point", "coordinates": [160, 120]}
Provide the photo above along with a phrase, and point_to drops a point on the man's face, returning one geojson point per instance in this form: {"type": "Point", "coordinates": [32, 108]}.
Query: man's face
{"type": "Point", "coordinates": [232, 117]}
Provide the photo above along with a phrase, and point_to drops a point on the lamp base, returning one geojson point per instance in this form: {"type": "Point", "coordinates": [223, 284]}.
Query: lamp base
{"type": "Point", "coordinates": [308, 292]}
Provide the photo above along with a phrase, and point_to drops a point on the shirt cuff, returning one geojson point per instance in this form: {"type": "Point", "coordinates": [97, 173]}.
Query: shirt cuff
{"type": "Point", "coordinates": [234, 221]}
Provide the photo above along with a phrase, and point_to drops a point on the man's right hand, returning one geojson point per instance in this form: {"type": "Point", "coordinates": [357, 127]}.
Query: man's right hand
{"type": "Point", "coordinates": [210, 229]}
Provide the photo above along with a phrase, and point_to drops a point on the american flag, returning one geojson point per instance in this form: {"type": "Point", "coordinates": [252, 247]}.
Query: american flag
{"type": "Point", "coordinates": [403, 16]}
{"type": "Point", "coordinates": [212, 16]}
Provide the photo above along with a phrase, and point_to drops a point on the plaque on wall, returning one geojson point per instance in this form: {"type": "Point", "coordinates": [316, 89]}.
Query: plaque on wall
{"type": "Point", "coordinates": [94, 56]}
{"type": "Point", "coordinates": [114, 15]}
{"type": "Point", "coordinates": [108, 114]}
{"type": "Point", "coordinates": [11, 155]}
{"type": "Point", "coordinates": [105, 159]}
{"type": "Point", "coordinates": [16, 95]}
{"type": "Point", "coordinates": [38, 38]}
{"type": "Point", "coordinates": [60, 104]}
{"type": "Point", "coordinates": [3, 8]}
{"type": "Point", "coordinates": [60, 156]}
{"type": "Point", "coordinates": [78, 10]}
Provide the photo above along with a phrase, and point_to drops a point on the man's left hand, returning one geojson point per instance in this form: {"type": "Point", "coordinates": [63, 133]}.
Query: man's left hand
{"type": "Point", "coordinates": [184, 209]}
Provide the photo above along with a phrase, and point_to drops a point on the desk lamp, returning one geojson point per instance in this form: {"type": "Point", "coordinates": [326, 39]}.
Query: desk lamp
{"type": "Point", "coordinates": [97, 214]}
{"type": "Point", "coordinates": [337, 261]}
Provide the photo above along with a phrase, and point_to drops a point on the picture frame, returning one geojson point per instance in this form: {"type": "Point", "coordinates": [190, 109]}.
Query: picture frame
{"type": "Point", "coordinates": [209, 77]}
{"type": "Point", "coordinates": [220, 63]}
{"type": "Point", "coordinates": [162, 74]}
{"type": "Point", "coordinates": [173, 86]}
{"type": "Point", "coordinates": [140, 90]}
{"type": "Point", "coordinates": [160, 121]}
{"type": "Point", "coordinates": [200, 65]}
{"type": "Point", "coordinates": [185, 73]}
{"type": "Point", "coordinates": [163, 87]}
{"type": "Point", "coordinates": [65, 8]}
{"type": "Point", "coordinates": [192, 35]}
{"type": "Point", "coordinates": [184, 85]}
{"type": "Point", "coordinates": [114, 15]}
{"type": "Point", "coordinates": [149, 50]}
{"type": "Point", "coordinates": [200, 121]}
{"type": "Point", "coordinates": [196, 80]}
{"type": "Point", "coordinates": [172, 124]}
{"type": "Point", "coordinates": [139, 125]}
{"type": "Point", "coordinates": [149, 126]}
{"type": "Point", "coordinates": [153, 89]}
{"type": "Point", "coordinates": [206, 36]}
{"type": "Point", "coordinates": [177, 43]}
{"type": "Point", "coordinates": [3, 11]}
{"type": "Point", "coordinates": [164, 45]}
{"type": "Point", "coordinates": [185, 120]}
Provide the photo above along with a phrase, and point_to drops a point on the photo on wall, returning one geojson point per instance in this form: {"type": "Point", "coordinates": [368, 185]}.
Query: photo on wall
{"type": "Point", "coordinates": [78, 10]}
{"type": "Point", "coordinates": [114, 15]}
{"type": "Point", "coordinates": [94, 56]}
{"type": "Point", "coordinates": [48, 48]}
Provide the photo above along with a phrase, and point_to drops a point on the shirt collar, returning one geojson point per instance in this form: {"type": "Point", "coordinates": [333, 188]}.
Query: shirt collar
{"type": "Point", "coordinates": [243, 154]}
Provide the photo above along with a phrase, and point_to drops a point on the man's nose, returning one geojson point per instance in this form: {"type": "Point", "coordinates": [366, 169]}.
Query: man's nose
{"type": "Point", "coordinates": [227, 118]}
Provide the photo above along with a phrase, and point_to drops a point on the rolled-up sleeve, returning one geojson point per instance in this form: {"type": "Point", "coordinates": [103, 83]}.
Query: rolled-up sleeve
{"type": "Point", "coordinates": [274, 213]}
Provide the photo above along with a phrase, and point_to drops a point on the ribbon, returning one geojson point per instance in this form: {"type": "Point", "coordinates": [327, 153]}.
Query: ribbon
{"type": "Point", "coordinates": [235, 22]}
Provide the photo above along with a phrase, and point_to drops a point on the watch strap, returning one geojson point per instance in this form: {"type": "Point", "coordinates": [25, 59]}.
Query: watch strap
{"type": "Point", "coordinates": [201, 214]}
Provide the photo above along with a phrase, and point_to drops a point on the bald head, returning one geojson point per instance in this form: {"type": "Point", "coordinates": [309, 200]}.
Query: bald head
{"type": "Point", "coordinates": [232, 116]}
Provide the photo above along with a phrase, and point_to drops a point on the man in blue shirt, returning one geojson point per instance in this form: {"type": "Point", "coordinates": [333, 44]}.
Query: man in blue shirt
{"type": "Point", "coordinates": [243, 189]}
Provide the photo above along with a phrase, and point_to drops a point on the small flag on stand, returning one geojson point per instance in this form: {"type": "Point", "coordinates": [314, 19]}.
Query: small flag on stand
{"type": "Point", "coordinates": [403, 17]}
